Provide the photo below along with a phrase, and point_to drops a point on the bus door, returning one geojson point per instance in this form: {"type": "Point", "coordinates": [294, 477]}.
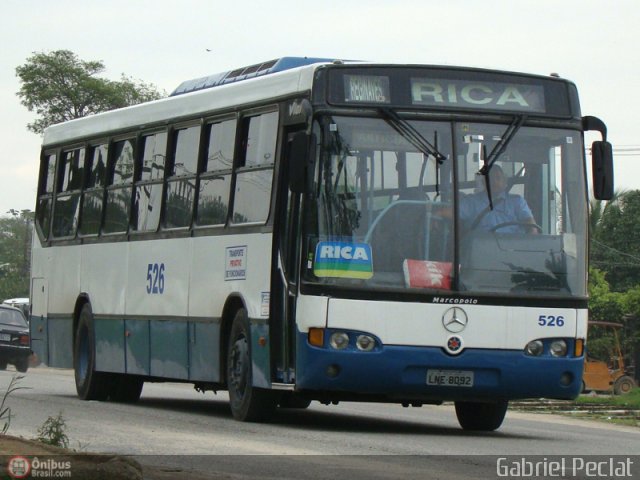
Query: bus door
{"type": "Point", "coordinates": [285, 274]}
{"type": "Point", "coordinates": [38, 319]}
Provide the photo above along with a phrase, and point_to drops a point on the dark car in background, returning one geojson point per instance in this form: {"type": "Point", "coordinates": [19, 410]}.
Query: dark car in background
{"type": "Point", "coordinates": [15, 347]}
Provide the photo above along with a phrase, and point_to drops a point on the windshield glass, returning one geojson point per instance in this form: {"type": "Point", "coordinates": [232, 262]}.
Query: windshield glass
{"type": "Point", "coordinates": [385, 207]}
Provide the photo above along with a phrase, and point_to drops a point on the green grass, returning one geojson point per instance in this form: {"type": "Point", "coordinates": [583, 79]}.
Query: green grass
{"type": "Point", "coordinates": [630, 400]}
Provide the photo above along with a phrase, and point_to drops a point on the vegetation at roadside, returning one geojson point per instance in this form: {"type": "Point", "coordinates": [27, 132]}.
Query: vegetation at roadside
{"type": "Point", "coordinates": [53, 432]}
{"type": "Point", "coordinates": [629, 400]}
{"type": "Point", "coordinates": [15, 253]}
{"type": "Point", "coordinates": [5, 411]}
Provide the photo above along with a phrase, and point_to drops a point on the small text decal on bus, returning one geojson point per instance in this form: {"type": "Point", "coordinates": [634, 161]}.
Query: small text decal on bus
{"type": "Point", "coordinates": [235, 263]}
{"type": "Point", "coordinates": [155, 278]}
{"type": "Point", "coordinates": [343, 259]}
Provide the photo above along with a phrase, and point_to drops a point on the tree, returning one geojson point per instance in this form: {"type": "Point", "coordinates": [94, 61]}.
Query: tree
{"type": "Point", "coordinates": [616, 241]}
{"type": "Point", "coordinates": [604, 305]}
{"type": "Point", "coordinates": [59, 86]}
{"type": "Point", "coordinates": [15, 253]}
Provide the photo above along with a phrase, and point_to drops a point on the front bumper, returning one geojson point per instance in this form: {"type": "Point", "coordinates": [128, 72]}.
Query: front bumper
{"type": "Point", "coordinates": [399, 373]}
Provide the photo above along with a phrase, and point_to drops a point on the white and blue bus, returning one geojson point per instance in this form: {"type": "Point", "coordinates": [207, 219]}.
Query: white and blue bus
{"type": "Point", "coordinates": [309, 229]}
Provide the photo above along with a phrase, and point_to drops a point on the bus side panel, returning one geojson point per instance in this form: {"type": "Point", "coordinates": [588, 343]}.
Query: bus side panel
{"type": "Point", "coordinates": [229, 265]}
{"type": "Point", "coordinates": [63, 274]}
{"type": "Point", "coordinates": [104, 276]}
{"type": "Point", "coordinates": [208, 292]}
{"type": "Point", "coordinates": [260, 354]}
{"type": "Point", "coordinates": [169, 349]}
{"type": "Point", "coordinates": [64, 280]}
{"type": "Point", "coordinates": [204, 363]}
{"type": "Point", "coordinates": [158, 278]}
{"type": "Point", "coordinates": [60, 333]}
{"type": "Point", "coordinates": [137, 347]}
{"type": "Point", "coordinates": [110, 356]}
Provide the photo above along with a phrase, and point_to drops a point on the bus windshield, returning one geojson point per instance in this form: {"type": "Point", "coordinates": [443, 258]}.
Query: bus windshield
{"type": "Point", "coordinates": [447, 207]}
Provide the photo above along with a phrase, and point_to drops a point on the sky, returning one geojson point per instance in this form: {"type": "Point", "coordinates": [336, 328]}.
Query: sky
{"type": "Point", "coordinates": [591, 42]}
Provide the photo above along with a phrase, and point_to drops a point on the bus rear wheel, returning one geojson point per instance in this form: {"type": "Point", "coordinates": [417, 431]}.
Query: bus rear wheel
{"type": "Point", "coordinates": [90, 385]}
{"type": "Point", "coordinates": [479, 416]}
{"type": "Point", "coordinates": [248, 403]}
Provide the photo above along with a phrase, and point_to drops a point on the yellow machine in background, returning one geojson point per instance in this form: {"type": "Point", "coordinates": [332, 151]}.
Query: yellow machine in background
{"type": "Point", "coordinates": [600, 375]}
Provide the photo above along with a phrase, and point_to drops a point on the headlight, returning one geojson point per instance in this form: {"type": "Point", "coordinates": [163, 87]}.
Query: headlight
{"type": "Point", "coordinates": [339, 340]}
{"type": "Point", "coordinates": [365, 343]}
{"type": "Point", "coordinates": [558, 348]}
{"type": "Point", "coordinates": [534, 348]}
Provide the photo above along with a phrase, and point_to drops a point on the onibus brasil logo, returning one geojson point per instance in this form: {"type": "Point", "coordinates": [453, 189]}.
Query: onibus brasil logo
{"type": "Point", "coordinates": [22, 467]}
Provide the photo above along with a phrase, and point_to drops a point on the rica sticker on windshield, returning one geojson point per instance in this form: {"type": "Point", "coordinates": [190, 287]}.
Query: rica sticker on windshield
{"type": "Point", "coordinates": [343, 259]}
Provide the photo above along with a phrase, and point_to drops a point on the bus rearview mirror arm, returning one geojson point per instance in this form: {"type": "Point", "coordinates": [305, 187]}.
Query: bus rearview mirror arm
{"type": "Point", "coordinates": [601, 160]}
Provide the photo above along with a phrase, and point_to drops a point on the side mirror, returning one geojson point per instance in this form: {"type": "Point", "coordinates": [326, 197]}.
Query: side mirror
{"type": "Point", "coordinates": [602, 169]}
{"type": "Point", "coordinates": [298, 162]}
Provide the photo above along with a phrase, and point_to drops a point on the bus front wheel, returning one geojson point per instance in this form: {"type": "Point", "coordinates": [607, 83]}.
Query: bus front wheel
{"type": "Point", "coordinates": [90, 385]}
{"type": "Point", "coordinates": [248, 403]}
{"type": "Point", "coordinates": [481, 416]}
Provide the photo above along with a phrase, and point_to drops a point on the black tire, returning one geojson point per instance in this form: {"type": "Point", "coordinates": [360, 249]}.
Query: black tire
{"type": "Point", "coordinates": [126, 389]}
{"type": "Point", "coordinates": [623, 385]}
{"type": "Point", "coordinates": [90, 385]}
{"type": "Point", "coordinates": [478, 416]}
{"type": "Point", "coordinates": [3, 364]}
{"type": "Point", "coordinates": [248, 403]}
{"type": "Point", "coordinates": [22, 364]}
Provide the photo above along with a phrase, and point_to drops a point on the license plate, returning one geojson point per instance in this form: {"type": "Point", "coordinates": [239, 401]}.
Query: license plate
{"type": "Point", "coordinates": [5, 337]}
{"type": "Point", "coordinates": [450, 378]}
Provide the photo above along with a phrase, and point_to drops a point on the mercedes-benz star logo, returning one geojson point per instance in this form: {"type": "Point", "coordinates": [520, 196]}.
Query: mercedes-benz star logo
{"type": "Point", "coordinates": [455, 320]}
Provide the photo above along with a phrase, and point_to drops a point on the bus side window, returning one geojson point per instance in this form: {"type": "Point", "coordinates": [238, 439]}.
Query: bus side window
{"type": "Point", "coordinates": [66, 207]}
{"type": "Point", "coordinates": [254, 175]}
{"type": "Point", "coordinates": [149, 182]}
{"type": "Point", "coordinates": [181, 185]}
{"type": "Point", "coordinates": [119, 190]}
{"type": "Point", "coordinates": [93, 196]}
{"type": "Point", "coordinates": [45, 193]}
{"type": "Point", "coordinates": [215, 179]}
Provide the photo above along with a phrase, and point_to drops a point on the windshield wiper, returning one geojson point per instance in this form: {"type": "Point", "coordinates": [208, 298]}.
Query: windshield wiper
{"type": "Point", "coordinates": [490, 160]}
{"type": "Point", "coordinates": [410, 133]}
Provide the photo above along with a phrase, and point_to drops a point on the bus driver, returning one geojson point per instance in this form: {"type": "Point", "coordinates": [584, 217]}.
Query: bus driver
{"type": "Point", "coordinates": [510, 212]}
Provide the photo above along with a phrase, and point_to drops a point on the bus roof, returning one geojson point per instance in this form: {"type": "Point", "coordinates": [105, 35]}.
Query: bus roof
{"type": "Point", "coordinates": [244, 73]}
{"type": "Point", "coordinates": [235, 88]}
{"type": "Point", "coordinates": [227, 95]}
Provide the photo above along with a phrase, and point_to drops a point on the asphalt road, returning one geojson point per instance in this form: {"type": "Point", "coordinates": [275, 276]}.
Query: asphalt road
{"type": "Point", "coordinates": [181, 430]}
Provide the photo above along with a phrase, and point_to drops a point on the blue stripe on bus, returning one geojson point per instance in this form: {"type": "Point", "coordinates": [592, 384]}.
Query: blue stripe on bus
{"type": "Point", "coordinates": [395, 371]}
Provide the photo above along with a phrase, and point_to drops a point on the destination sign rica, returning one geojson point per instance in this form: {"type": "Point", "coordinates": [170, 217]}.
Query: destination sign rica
{"type": "Point", "coordinates": [477, 95]}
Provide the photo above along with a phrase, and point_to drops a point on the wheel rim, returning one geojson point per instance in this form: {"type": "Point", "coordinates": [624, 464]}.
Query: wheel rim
{"type": "Point", "coordinates": [625, 387]}
{"type": "Point", "coordinates": [239, 367]}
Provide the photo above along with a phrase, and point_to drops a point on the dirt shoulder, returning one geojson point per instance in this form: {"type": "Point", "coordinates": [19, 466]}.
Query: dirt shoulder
{"type": "Point", "coordinates": [89, 466]}
{"type": "Point", "coordinates": [82, 465]}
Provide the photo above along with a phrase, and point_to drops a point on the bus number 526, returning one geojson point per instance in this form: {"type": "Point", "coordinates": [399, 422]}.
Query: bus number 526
{"type": "Point", "coordinates": [155, 278]}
